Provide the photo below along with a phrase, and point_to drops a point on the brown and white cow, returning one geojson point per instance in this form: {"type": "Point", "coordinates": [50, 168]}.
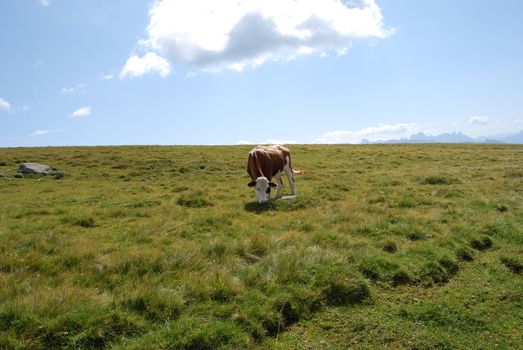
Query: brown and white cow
{"type": "Point", "coordinates": [266, 162]}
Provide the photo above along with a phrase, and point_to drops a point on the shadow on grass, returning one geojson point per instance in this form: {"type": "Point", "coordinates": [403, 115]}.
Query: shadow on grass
{"type": "Point", "coordinates": [278, 205]}
{"type": "Point", "coordinates": [258, 208]}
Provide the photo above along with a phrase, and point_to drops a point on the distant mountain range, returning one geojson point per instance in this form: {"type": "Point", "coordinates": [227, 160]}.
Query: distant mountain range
{"type": "Point", "coordinates": [455, 137]}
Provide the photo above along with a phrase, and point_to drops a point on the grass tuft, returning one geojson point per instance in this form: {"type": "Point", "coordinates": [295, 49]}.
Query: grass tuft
{"type": "Point", "coordinates": [108, 329]}
{"type": "Point", "coordinates": [390, 247]}
{"type": "Point", "coordinates": [16, 319]}
{"type": "Point", "coordinates": [194, 200]}
{"type": "Point", "coordinates": [438, 180]}
{"type": "Point", "coordinates": [377, 268]}
{"type": "Point", "coordinates": [502, 208]}
{"type": "Point", "coordinates": [59, 334]}
{"type": "Point", "coordinates": [401, 277]}
{"type": "Point", "coordinates": [439, 271]}
{"type": "Point", "coordinates": [190, 333]}
{"type": "Point", "coordinates": [157, 306]}
{"type": "Point", "coordinates": [482, 243]}
{"type": "Point", "coordinates": [340, 290]}
{"type": "Point", "coordinates": [513, 264]}
{"type": "Point", "coordinates": [6, 343]}
{"type": "Point", "coordinates": [85, 222]}
{"type": "Point", "coordinates": [465, 254]}
{"type": "Point", "coordinates": [415, 235]}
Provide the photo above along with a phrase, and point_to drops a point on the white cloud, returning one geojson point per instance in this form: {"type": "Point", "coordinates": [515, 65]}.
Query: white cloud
{"type": "Point", "coordinates": [5, 105]}
{"type": "Point", "coordinates": [191, 75]}
{"type": "Point", "coordinates": [107, 76]}
{"type": "Point", "coordinates": [44, 2]}
{"type": "Point", "coordinates": [40, 132]}
{"type": "Point", "coordinates": [74, 89]}
{"type": "Point", "coordinates": [244, 142]}
{"type": "Point", "coordinates": [46, 132]}
{"type": "Point", "coordinates": [81, 112]}
{"type": "Point", "coordinates": [234, 34]}
{"type": "Point", "coordinates": [478, 120]}
{"type": "Point", "coordinates": [150, 63]}
{"type": "Point", "coordinates": [381, 132]}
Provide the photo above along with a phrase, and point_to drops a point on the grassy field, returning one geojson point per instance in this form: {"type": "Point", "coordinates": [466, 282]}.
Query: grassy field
{"type": "Point", "coordinates": [386, 246]}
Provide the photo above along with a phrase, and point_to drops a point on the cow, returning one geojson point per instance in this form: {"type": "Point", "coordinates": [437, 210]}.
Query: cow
{"type": "Point", "coordinates": [266, 162]}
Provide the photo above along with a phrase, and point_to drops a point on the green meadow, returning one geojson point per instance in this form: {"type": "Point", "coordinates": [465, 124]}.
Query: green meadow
{"type": "Point", "coordinates": [156, 247]}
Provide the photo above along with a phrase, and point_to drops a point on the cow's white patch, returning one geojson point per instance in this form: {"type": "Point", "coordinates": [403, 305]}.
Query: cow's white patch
{"type": "Point", "coordinates": [262, 190]}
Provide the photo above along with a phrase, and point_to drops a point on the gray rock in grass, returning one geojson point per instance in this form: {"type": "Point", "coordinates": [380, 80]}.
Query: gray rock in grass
{"type": "Point", "coordinates": [34, 168]}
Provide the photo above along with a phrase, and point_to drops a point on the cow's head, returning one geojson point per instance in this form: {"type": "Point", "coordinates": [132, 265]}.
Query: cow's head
{"type": "Point", "coordinates": [262, 186]}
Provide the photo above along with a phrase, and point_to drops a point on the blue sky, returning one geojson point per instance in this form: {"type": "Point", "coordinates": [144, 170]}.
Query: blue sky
{"type": "Point", "coordinates": [111, 72]}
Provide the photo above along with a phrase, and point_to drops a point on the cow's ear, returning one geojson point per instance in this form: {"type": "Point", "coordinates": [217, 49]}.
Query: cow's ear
{"type": "Point", "coordinates": [272, 184]}
{"type": "Point", "coordinates": [252, 183]}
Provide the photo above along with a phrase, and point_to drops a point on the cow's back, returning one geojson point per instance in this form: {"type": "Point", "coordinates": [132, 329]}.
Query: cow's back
{"type": "Point", "coordinates": [267, 161]}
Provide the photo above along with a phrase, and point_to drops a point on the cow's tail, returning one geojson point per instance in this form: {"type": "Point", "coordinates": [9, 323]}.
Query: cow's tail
{"type": "Point", "coordinates": [296, 172]}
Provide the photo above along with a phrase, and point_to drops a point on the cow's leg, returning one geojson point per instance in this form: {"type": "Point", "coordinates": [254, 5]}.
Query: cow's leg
{"type": "Point", "coordinates": [288, 171]}
{"type": "Point", "coordinates": [279, 184]}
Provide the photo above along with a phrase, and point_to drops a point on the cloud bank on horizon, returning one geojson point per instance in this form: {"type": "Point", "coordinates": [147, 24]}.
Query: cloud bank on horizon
{"type": "Point", "coordinates": [403, 131]}
{"type": "Point", "coordinates": [373, 133]}
{"type": "Point", "coordinates": [234, 34]}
